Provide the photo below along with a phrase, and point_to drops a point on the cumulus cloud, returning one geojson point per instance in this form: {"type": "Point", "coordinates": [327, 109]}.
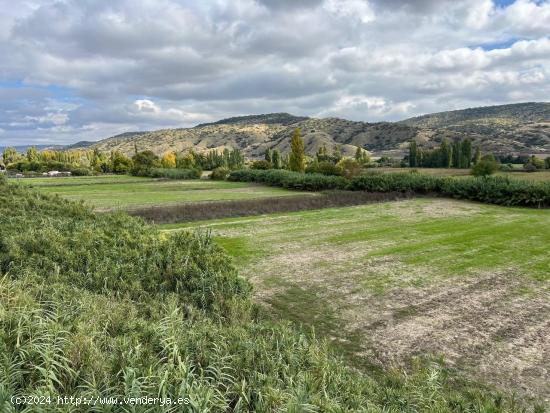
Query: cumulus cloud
{"type": "Point", "coordinates": [86, 70]}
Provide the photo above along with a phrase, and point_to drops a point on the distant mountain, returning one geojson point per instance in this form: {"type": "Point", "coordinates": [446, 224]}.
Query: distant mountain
{"type": "Point", "coordinates": [518, 128]}
{"type": "Point", "coordinates": [23, 148]}
{"type": "Point", "coordinates": [268, 119]}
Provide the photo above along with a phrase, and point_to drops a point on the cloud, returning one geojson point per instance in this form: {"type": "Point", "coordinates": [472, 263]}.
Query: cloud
{"type": "Point", "coordinates": [86, 70]}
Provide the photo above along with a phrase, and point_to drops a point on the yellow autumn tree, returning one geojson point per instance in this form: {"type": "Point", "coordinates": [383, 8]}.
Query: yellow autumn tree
{"type": "Point", "coordinates": [169, 160]}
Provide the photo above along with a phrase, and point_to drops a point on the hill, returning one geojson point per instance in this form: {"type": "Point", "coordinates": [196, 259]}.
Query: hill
{"type": "Point", "coordinates": [519, 128]}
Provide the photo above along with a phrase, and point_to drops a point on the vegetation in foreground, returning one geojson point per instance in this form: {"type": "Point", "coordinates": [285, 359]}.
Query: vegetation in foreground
{"type": "Point", "coordinates": [397, 279]}
{"type": "Point", "coordinates": [103, 305]}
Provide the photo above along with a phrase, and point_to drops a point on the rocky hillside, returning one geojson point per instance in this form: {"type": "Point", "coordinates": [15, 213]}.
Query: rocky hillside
{"type": "Point", "coordinates": [519, 128]}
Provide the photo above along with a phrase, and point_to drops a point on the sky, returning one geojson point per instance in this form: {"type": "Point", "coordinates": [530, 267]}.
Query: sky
{"type": "Point", "coordinates": [87, 69]}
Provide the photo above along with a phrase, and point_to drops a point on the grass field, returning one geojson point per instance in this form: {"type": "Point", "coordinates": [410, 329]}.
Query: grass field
{"type": "Point", "coordinates": [467, 281]}
{"type": "Point", "coordinates": [526, 176]}
{"type": "Point", "coordinates": [111, 192]}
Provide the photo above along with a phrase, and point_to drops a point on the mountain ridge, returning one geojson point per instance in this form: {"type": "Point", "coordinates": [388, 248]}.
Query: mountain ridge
{"type": "Point", "coordinates": [513, 128]}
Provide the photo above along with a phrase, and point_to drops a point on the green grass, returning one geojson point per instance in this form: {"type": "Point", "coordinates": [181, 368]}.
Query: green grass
{"type": "Point", "coordinates": [538, 176]}
{"type": "Point", "coordinates": [346, 271]}
{"type": "Point", "coordinates": [106, 192]}
{"type": "Point", "coordinates": [479, 237]}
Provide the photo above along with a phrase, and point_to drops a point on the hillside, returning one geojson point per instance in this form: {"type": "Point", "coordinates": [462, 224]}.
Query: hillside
{"type": "Point", "coordinates": [518, 128]}
{"type": "Point", "coordinates": [522, 127]}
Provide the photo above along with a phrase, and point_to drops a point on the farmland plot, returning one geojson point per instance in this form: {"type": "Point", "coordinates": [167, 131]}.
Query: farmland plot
{"type": "Point", "coordinates": [125, 192]}
{"type": "Point", "coordinates": [386, 282]}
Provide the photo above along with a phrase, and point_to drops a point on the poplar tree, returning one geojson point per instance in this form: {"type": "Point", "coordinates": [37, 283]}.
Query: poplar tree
{"type": "Point", "coordinates": [457, 154]}
{"type": "Point", "coordinates": [32, 154]}
{"type": "Point", "coordinates": [276, 159]}
{"type": "Point", "coordinates": [296, 161]}
{"type": "Point", "coordinates": [413, 153]}
{"type": "Point", "coordinates": [477, 155]}
{"type": "Point", "coordinates": [446, 154]}
{"type": "Point", "coordinates": [268, 156]}
{"type": "Point", "coordinates": [466, 153]}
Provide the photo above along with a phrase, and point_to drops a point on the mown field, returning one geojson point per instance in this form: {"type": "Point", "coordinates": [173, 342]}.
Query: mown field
{"type": "Point", "coordinates": [126, 192]}
{"type": "Point", "coordinates": [466, 281]}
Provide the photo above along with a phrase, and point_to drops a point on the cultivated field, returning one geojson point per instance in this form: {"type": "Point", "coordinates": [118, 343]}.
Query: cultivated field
{"type": "Point", "coordinates": [467, 281]}
{"type": "Point", "coordinates": [127, 192]}
{"type": "Point", "coordinates": [543, 175]}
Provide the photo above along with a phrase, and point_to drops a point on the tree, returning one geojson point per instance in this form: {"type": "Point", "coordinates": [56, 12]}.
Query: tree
{"type": "Point", "coordinates": [276, 159]}
{"type": "Point", "coordinates": [477, 155]}
{"type": "Point", "coordinates": [10, 155]}
{"type": "Point", "coordinates": [413, 154]}
{"type": "Point", "coordinates": [485, 167]}
{"type": "Point", "coordinates": [466, 153]}
{"type": "Point", "coordinates": [268, 156]}
{"type": "Point", "coordinates": [168, 160]}
{"type": "Point", "coordinates": [457, 152]}
{"type": "Point", "coordinates": [446, 154]}
{"type": "Point", "coordinates": [538, 163]}
{"type": "Point", "coordinates": [337, 153]}
{"type": "Point", "coordinates": [187, 161]}
{"type": "Point", "coordinates": [99, 162]}
{"type": "Point", "coordinates": [143, 162]}
{"type": "Point", "coordinates": [547, 162]}
{"type": "Point", "coordinates": [358, 154]}
{"type": "Point", "coordinates": [350, 167]}
{"type": "Point", "coordinates": [322, 154]}
{"type": "Point", "coordinates": [361, 156]}
{"type": "Point", "coordinates": [32, 154]}
{"type": "Point", "coordinates": [296, 160]}
{"type": "Point", "coordinates": [120, 163]}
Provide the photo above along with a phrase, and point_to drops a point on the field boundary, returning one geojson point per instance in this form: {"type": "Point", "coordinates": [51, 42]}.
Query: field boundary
{"type": "Point", "coordinates": [171, 214]}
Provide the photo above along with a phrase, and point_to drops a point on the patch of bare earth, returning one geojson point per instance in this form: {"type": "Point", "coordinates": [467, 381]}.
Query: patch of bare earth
{"type": "Point", "coordinates": [485, 326]}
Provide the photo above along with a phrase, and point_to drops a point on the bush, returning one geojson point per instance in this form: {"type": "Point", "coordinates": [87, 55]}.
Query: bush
{"type": "Point", "coordinates": [80, 172]}
{"type": "Point", "coordinates": [324, 168]}
{"type": "Point", "coordinates": [529, 167]}
{"type": "Point", "coordinates": [220, 173]}
{"type": "Point", "coordinates": [485, 168]}
{"type": "Point", "coordinates": [261, 165]}
{"type": "Point", "coordinates": [171, 173]}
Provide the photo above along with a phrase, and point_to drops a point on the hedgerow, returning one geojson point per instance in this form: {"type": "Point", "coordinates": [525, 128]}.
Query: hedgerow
{"type": "Point", "coordinates": [290, 180]}
{"type": "Point", "coordinates": [174, 173]}
{"type": "Point", "coordinates": [493, 190]}
{"type": "Point", "coordinates": [107, 306]}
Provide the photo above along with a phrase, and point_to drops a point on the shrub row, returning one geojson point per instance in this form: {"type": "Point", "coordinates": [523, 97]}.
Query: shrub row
{"type": "Point", "coordinates": [171, 173]}
{"type": "Point", "coordinates": [290, 180]}
{"type": "Point", "coordinates": [493, 190]}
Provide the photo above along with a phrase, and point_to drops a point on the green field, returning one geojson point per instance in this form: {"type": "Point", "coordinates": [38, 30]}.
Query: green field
{"type": "Point", "coordinates": [468, 281]}
{"type": "Point", "coordinates": [126, 192]}
{"type": "Point", "coordinates": [538, 176]}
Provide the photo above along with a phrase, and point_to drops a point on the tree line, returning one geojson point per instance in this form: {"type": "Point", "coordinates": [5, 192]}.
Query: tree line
{"type": "Point", "coordinates": [85, 162]}
{"type": "Point", "coordinates": [323, 162]}
{"type": "Point", "coordinates": [458, 154]}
